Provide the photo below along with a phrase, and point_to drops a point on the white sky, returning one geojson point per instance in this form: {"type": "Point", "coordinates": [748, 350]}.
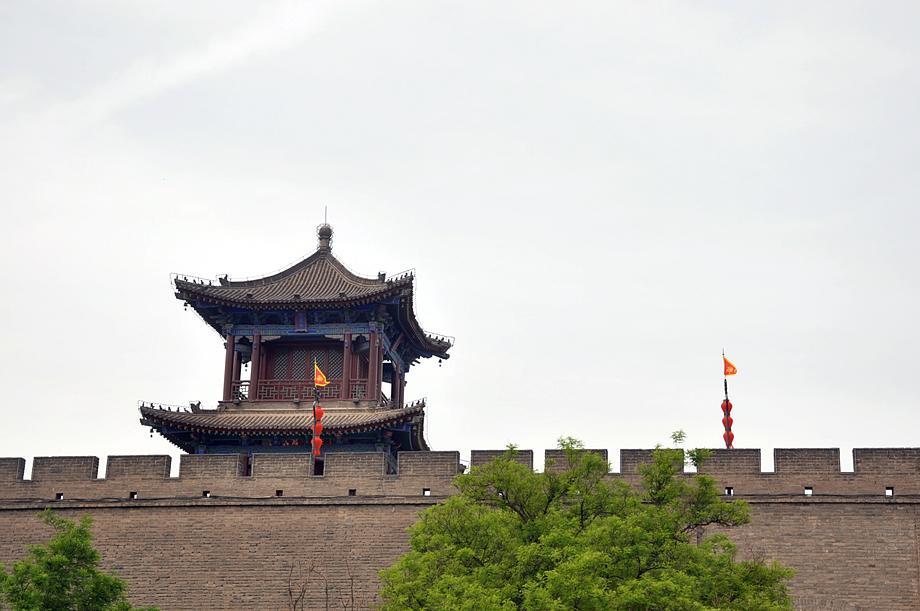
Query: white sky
{"type": "Point", "coordinates": [596, 196]}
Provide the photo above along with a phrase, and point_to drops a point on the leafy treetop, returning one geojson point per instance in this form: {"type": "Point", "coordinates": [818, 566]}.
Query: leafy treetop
{"type": "Point", "coordinates": [576, 539]}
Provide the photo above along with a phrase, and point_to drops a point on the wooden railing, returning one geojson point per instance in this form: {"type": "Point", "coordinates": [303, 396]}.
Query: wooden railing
{"type": "Point", "coordinates": [240, 390]}
{"type": "Point", "coordinates": [289, 390]}
{"type": "Point", "coordinates": [302, 390]}
{"type": "Point", "coordinates": [357, 389]}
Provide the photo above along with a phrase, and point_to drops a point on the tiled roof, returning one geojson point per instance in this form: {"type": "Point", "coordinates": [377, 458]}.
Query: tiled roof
{"type": "Point", "coordinates": [279, 422]}
{"type": "Point", "coordinates": [318, 282]}
{"type": "Point", "coordinates": [320, 278]}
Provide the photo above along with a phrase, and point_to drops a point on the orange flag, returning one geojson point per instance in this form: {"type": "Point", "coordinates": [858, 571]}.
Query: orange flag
{"type": "Point", "coordinates": [319, 378]}
{"type": "Point", "coordinates": [730, 369]}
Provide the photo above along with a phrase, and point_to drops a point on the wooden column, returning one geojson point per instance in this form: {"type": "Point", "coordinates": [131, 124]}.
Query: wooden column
{"type": "Point", "coordinates": [255, 367]}
{"type": "Point", "coordinates": [344, 394]}
{"type": "Point", "coordinates": [379, 385]}
{"type": "Point", "coordinates": [228, 367]}
{"type": "Point", "coordinates": [237, 365]}
{"type": "Point", "coordinates": [395, 386]}
{"type": "Point", "coordinates": [373, 369]}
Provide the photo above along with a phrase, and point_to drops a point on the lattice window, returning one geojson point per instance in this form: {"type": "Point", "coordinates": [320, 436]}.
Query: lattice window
{"type": "Point", "coordinates": [334, 363]}
{"type": "Point", "coordinates": [279, 363]}
{"type": "Point", "coordinates": [299, 361]}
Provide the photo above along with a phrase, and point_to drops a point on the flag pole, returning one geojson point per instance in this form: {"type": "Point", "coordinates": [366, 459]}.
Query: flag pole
{"type": "Point", "coordinates": [315, 402]}
{"type": "Point", "coordinates": [727, 435]}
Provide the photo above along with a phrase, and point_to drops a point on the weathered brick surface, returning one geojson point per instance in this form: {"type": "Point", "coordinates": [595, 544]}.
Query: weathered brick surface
{"type": "Point", "coordinates": [429, 463]}
{"type": "Point", "coordinates": [138, 467]}
{"type": "Point", "coordinates": [482, 457]}
{"type": "Point", "coordinates": [356, 464]}
{"type": "Point", "coordinates": [731, 461]}
{"type": "Point", "coordinates": [555, 460]}
{"type": "Point", "coordinates": [209, 556]}
{"type": "Point", "coordinates": [630, 460]}
{"type": "Point", "coordinates": [65, 468]}
{"type": "Point", "coordinates": [11, 469]}
{"type": "Point", "coordinates": [852, 547]}
{"type": "Point", "coordinates": [851, 555]}
{"type": "Point", "coordinates": [886, 460]}
{"type": "Point", "coordinates": [282, 465]}
{"type": "Point", "coordinates": [209, 465]}
{"type": "Point", "coordinates": [822, 460]}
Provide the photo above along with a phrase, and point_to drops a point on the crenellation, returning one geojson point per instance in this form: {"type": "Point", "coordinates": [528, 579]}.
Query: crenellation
{"type": "Point", "coordinates": [481, 457]}
{"type": "Point", "coordinates": [209, 465]}
{"type": "Point", "coordinates": [266, 465]}
{"type": "Point", "coordinates": [429, 463]}
{"type": "Point", "coordinates": [735, 461]}
{"type": "Point", "coordinates": [555, 460]}
{"type": "Point", "coordinates": [138, 467]}
{"type": "Point", "coordinates": [806, 460]}
{"type": "Point", "coordinates": [12, 469]}
{"type": "Point", "coordinates": [631, 460]}
{"type": "Point", "coordinates": [872, 465]}
{"type": "Point", "coordinates": [355, 464]}
{"type": "Point", "coordinates": [65, 468]}
{"type": "Point", "coordinates": [886, 460]}
{"type": "Point", "coordinates": [843, 522]}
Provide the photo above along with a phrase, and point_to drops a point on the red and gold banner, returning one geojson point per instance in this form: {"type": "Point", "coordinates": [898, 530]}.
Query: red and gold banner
{"type": "Point", "coordinates": [319, 378]}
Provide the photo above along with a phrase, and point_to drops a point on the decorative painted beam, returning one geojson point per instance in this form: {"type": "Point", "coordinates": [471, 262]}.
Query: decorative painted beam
{"type": "Point", "coordinates": [314, 330]}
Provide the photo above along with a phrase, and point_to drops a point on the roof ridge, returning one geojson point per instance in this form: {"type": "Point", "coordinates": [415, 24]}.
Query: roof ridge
{"type": "Point", "coordinates": [347, 274]}
{"type": "Point", "coordinates": [304, 263]}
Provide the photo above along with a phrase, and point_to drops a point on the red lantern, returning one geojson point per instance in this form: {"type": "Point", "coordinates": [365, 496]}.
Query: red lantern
{"type": "Point", "coordinates": [319, 412]}
{"type": "Point", "coordinates": [317, 444]}
{"type": "Point", "coordinates": [727, 406]}
{"type": "Point", "coordinates": [727, 422]}
{"type": "Point", "coordinates": [318, 429]}
{"type": "Point", "coordinates": [729, 437]}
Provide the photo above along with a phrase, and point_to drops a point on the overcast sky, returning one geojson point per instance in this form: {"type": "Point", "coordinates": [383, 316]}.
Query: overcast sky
{"type": "Point", "coordinates": [597, 197]}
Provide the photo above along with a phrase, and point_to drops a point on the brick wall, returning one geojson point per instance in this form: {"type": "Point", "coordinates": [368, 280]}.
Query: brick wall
{"type": "Point", "coordinates": [853, 547]}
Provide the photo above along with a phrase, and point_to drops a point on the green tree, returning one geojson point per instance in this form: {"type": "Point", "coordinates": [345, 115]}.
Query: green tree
{"type": "Point", "coordinates": [576, 539]}
{"type": "Point", "coordinates": [62, 574]}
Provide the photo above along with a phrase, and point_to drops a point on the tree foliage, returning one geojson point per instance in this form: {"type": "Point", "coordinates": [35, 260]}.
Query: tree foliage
{"type": "Point", "coordinates": [576, 539]}
{"type": "Point", "coordinates": [62, 574]}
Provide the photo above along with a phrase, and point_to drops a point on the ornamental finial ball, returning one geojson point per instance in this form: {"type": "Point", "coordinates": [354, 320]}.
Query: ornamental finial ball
{"type": "Point", "coordinates": [325, 235]}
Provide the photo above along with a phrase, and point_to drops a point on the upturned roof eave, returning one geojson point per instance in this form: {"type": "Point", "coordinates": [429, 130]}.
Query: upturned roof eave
{"type": "Point", "coordinates": [188, 291]}
{"type": "Point", "coordinates": [156, 418]}
{"type": "Point", "coordinates": [423, 342]}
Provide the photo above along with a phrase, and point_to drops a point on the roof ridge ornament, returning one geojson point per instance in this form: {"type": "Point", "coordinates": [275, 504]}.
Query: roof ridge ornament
{"type": "Point", "coordinates": [324, 232]}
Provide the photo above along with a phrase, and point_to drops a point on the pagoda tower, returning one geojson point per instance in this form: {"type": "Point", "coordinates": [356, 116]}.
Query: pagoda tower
{"type": "Point", "coordinates": [363, 334]}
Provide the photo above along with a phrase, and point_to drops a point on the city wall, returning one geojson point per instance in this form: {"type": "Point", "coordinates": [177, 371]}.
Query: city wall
{"type": "Point", "coordinates": [213, 539]}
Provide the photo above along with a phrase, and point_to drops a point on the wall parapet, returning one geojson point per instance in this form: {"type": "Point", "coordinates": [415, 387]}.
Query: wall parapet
{"type": "Point", "coordinates": [12, 469]}
{"type": "Point", "coordinates": [138, 467]}
{"type": "Point", "coordinates": [64, 468]}
{"type": "Point", "coordinates": [479, 458]}
{"type": "Point", "coordinates": [886, 460]}
{"type": "Point", "coordinates": [806, 460]}
{"type": "Point", "coordinates": [886, 471]}
{"type": "Point", "coordinates": [556, 460]}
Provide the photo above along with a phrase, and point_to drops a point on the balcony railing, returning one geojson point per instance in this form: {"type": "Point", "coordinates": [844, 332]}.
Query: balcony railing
{"type": "Point", "coordinates": [290, 390]}
{"type": "Point", "coordinates": [240, 390]}
{"type": "Point", "coordinates": [357, 389]}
